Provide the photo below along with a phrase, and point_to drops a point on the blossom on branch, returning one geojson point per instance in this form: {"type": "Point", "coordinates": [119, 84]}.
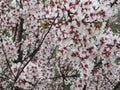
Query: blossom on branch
{"type": "Point", "coordinates": [59, 45]}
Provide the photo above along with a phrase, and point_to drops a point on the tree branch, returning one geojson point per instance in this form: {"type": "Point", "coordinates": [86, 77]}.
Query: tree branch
{"type": "Point", "coordinates": [112, 4]}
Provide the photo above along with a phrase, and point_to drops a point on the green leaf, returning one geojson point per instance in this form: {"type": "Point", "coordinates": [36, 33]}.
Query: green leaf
{"type": "Point", "coordinates": [42, 25]}
{"type": "Point", "coordinates": [70, 68]}
{"type": "Point", "coordinates": [43, 1]}
{"type": "Point", "coordinates": [115, 28]}
{"type": "Point", "coordinates": [59, 1]}
{"type": "Point", "coordinates": [115, 25]}
{"type": "Point", "coordinates": [54, 52]}
{"type": "Point", "coordinates": [117, 61]}
{"type": "Point", "coordinates": [23, 36]}
{"type": "Point", "coordinates": [7, 34]}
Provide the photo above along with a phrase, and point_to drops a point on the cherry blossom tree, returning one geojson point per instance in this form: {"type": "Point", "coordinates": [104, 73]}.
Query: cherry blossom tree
{"type": "Point", "coordinates": [59, 45]}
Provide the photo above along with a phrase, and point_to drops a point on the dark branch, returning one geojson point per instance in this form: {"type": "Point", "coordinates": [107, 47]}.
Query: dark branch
{"type": "Point", "coordinates": [16, 28]}
{"type": "Point", "coordinates": [19, 38]}
{"type": "Point", "coordinates": [112, 4]}
{"type": "Point", "coordinates": [84, 88]}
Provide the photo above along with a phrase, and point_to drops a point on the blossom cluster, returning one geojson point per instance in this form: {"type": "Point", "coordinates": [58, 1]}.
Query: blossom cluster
{"type": "Point", "coordinates": [59, 44]}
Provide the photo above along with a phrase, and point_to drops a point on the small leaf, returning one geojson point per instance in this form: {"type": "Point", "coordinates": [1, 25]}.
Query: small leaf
{"type": "Point", "coordinates": [7, 34]}
{"type": "Point", "coordinates": [23, 36]}
{"type": "Point", "coordinates": [115, 28]}
{"type": "Point", "coordinates": [54, 52]}
{"type": "Point", "coordinates": [70, 68]}
{"type": "Point", "coordinates": [59, 1]}
{"type": "Point", "coordinates": [43, 1]}
{"type": "Point", "coordinates": [117, 61]}
{"type": "Point", "coordinates": [42, 25]}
